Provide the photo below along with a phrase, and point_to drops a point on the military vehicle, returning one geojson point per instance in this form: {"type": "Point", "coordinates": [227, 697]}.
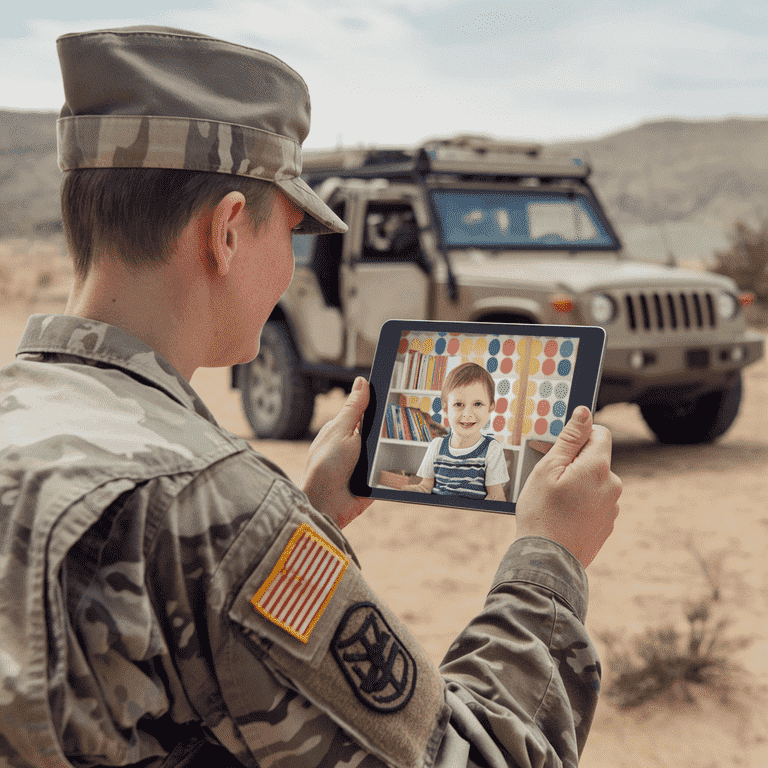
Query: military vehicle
{"type": "Point", "coordinates": [470, 228]}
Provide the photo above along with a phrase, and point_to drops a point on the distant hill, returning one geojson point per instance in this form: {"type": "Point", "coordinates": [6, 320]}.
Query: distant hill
{"type": "Point", "coordinates": [672, 185]}
{"type": "Point", "coordinates": [679, 186]}
{"type": "Point", "coordinates": [29, 174]}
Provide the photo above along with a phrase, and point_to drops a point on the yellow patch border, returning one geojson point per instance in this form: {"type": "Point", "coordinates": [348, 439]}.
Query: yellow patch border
{"type": "Point", "coordinates": [303, 529]}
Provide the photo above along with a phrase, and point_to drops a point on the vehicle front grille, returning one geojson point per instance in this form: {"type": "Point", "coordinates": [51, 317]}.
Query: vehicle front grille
{"type": "Point", "coordinates": [669, 311]}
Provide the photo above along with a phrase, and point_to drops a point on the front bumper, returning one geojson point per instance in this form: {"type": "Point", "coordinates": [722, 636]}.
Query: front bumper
{"type": "Point", "coordinates": [631, 373]}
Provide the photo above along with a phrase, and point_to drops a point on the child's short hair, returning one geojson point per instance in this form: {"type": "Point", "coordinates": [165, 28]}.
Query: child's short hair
{"type": "Point", "coordinates": [463, 375]}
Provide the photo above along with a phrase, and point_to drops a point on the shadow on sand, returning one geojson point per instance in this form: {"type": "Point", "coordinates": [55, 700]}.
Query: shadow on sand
{"type": "Point", "coordinates": [644, 457]}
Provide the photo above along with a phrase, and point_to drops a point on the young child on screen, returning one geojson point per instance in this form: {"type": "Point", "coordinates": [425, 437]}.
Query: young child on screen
{"type": "Point", "coordinates": [465, 462]}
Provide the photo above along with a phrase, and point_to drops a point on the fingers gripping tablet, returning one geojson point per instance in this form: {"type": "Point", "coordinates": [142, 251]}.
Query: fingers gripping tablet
{"type": "Point", "coordinates": [455, 408]}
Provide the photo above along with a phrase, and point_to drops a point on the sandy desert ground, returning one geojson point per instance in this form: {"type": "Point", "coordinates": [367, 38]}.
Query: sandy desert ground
{"type": "Point", "coordinates": [434, 566]}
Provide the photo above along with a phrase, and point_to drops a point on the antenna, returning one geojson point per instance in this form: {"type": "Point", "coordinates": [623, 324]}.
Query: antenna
{"type": "Point", "coordinates": [671, 259]}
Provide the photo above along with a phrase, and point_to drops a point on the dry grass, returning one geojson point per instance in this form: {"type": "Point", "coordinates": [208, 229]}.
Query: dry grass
{"type": "Point", "coordinates": [666, 663]}
{"type": "Point", "coordinates": [746, 261]}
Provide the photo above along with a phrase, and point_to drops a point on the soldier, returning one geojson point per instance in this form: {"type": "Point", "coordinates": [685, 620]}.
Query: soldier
{"type": "Point", "coordinates": [167, 595]}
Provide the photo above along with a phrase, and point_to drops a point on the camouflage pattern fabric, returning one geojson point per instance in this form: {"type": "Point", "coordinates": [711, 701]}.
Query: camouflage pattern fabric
{"type": "Point", "coordinates": [118, 141]}
{"type": "Point", "coordinates": [121, 141]}
{"type": "Point", "coordinates": [158, 97]}
{"type": "Point", "coordinates": [135, 532]}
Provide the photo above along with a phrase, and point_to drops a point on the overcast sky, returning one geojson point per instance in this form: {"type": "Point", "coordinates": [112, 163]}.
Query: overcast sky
{"type": "Point", "coordinates": [398, 71]}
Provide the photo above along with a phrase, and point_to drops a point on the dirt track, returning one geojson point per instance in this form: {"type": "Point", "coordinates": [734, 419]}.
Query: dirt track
{"type": "Point", "coordinates": [434, 566]}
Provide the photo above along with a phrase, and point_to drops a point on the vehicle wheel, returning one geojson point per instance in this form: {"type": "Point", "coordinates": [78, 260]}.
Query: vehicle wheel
{"type": "Point", "coordinates": [698, 421]}
{"type": "Point", "coordinates": [278, 399]}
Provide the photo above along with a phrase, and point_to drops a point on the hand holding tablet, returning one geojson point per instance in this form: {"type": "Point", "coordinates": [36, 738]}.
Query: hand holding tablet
{"type": "Point", "coordinates": [571, 496]}
{"type": "Point", "coordinates": [455, 408]}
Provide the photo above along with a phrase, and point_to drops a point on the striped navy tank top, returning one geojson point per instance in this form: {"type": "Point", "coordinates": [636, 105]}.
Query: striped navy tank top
{"type": "Point", "coordinates": [461, 475]}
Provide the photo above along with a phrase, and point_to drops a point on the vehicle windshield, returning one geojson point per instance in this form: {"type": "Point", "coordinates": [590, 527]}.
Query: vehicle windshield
{"type": "Point", "coordinates": [519, 219]}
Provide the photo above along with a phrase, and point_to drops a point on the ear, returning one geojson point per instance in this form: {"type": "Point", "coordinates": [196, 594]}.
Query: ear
{"type": "Point", "coordinates": [225, 222]}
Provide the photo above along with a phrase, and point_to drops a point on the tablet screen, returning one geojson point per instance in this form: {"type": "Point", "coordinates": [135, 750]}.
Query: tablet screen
{"type": "Point", "coordinates": [456, 409]}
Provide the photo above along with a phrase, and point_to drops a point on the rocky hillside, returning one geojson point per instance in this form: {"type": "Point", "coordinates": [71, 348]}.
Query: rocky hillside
{"type": "Point", "coordinates": [671, 187]}
{"type": "Point", "coordinates": [679, 186]}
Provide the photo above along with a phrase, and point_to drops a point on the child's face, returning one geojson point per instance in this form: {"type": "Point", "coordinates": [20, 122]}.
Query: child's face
{"type": "Point", "coordinates": [469, 408]}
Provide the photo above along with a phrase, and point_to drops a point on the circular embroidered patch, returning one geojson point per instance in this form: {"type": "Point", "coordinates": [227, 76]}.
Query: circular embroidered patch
{"type": "Point", "coordinates": [378, 668]}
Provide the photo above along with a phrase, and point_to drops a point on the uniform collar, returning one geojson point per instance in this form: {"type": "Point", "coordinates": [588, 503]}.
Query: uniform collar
{"type": "Point", "coordinates": [92, 340]}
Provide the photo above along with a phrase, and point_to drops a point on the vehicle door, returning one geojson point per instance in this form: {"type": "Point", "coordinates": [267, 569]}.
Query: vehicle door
{"type": "Point", "coordinates": [385, 273]}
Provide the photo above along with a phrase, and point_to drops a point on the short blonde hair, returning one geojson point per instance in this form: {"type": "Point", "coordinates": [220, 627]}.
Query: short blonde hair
{"type": "Point", "coordinates": [463, 375]}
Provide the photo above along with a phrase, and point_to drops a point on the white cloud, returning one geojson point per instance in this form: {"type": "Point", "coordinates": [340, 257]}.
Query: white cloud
{"type": "Point", "coordinates": [376, 78]}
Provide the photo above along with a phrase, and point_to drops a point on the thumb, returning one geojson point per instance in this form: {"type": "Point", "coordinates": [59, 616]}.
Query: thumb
{"type": "Point", "coordinates": [572, 439]}
{"type": "Point", "coordinates": [355, 404]}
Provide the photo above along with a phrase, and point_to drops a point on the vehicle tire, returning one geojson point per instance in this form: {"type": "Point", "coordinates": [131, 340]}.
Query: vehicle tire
{"type": "Point", "coordinates": [278, 399]}
{"type": "Point", "coordinates": [698, 421]}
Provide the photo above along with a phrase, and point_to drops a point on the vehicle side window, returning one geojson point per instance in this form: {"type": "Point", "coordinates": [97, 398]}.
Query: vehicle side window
{"type": "Point", "coordinates": [391, 233]}
{"type": "Point", "coordinates": [302, 249]}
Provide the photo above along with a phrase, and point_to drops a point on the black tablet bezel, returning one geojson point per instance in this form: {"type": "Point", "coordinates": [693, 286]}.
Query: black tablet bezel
{"type": "Point", "coordinates": [584, 387]}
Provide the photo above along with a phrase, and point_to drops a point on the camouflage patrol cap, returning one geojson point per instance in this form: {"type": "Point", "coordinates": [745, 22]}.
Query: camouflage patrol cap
{"type": "Point", "coordinates": [157, 97]}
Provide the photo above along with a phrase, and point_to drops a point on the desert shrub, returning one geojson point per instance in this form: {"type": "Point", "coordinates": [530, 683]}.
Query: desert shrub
{"type": "Point", "coordinates": [746, 261]}
{"type": "Point", "coordinates": [670, 660]}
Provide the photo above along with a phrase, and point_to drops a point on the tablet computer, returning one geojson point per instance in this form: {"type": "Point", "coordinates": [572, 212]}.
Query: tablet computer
{"type": "Point", "coordinates": [454, 407]}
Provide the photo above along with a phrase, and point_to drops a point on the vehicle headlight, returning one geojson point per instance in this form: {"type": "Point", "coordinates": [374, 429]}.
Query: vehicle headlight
{"type": "Point", "coordinates": [727, 306]}
{"type": "Point", "coordinates": [603, 308]}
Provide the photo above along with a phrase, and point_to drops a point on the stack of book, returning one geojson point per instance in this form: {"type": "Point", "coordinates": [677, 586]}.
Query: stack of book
{"type": "Point", "coordinates": [407, 424]}
{"type": "Point", "coordinates": [420, 371]}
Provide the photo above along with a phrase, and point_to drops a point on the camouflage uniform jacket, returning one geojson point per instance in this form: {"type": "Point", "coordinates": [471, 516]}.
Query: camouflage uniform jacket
{"type": "Point", "coordinates": [138, 539]}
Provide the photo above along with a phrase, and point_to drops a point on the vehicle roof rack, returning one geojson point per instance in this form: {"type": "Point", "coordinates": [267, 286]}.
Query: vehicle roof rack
{"type": "Point", "coordinates": [482, 144]}
{"type": "Point", "coordinates": [466, 155]}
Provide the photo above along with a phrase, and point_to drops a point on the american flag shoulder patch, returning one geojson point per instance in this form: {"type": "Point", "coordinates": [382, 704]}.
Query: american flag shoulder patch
{"type": "Point", "coordinates": [302, 583]}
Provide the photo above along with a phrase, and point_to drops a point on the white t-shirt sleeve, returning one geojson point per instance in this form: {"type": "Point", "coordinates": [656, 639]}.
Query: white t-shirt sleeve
{"type": "Point", "coordinates": [495, 465]}
{"type": "Point", "coordinates": [427, 468]}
